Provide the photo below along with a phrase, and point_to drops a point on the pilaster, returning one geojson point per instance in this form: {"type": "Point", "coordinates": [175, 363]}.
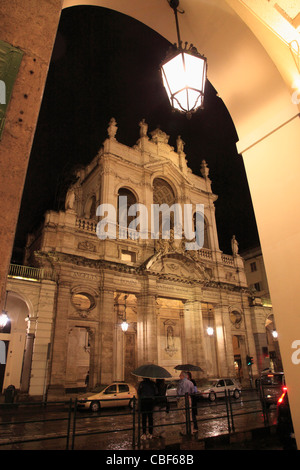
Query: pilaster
{"type": "Point", "coordinates": [107, 325]}
{"type": "Point", "coordinates": [60, 342]}
{"type": "Point", "coordinates": [147, 323]}
{"type": "Point", "coordinates": [224, 341]}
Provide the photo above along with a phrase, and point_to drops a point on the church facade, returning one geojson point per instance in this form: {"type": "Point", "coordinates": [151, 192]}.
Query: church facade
{"type": "Point", "coordinates": [180, 305]}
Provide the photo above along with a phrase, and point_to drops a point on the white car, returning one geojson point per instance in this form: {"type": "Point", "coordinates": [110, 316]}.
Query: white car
{"type": "Point", "coordinates": [171, 392]}
{"type": "Point", "coordinates": [215, 388]}
{"type": "Point", "coordinates": [115, 394]}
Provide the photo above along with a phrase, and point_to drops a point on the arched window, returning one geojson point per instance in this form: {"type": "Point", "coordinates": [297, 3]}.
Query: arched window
{"type": "Point", "coordinates": [90, 208]}
{"type": "Point", "coordinates": [93, 207]}
{"type": "Point", "coordinates": [131, 199]}
{"type": "Point", "coordinates": [164, 194]}
{"type": "Point", "coordinates": [206, 243]}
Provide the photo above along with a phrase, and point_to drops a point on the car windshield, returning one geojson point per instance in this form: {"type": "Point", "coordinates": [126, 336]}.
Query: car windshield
{"type": "Point", "coordinates": [98, 388]}
{"type": "Point", "coordinates": [272, 379]}
{"type": "Point", "coordinates": [209, 383]}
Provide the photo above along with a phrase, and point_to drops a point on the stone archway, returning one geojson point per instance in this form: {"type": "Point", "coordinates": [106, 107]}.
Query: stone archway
{"type": "Point", "coordinates": [266, 120]}
{"type": "Point", "coordinates": [15, 339]}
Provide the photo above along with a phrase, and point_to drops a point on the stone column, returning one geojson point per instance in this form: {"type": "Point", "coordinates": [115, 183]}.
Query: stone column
{"type": "Point", "coordinates": [43, 334]}
{"type": "Point", "coordinates": [224, 341]}
{"type": "Point", "coordinates": [251, 349]}
{"type": "Point", "coordinates": [107, 323]}
{"type": "Point", "coordinates": [31, 27]}
{"type": "Point", "coordinates": [193, 332]}
{"type": "Point", "coordinates": [59, 342]}
{"type": "Point", "coordinates": [147, 324]}
{"type": "Point", "coordinates": [119, 352]}
{"type": "Point", "coordinates": [25, 378]}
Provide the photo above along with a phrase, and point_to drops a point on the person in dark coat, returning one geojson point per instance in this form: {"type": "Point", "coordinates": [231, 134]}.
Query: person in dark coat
{"type": "Point", "coordinates": [147, 391]}
{"type": "Point", "coordinates": [194, 403]}
{"type": "Point", "coordinates": [161, 408]}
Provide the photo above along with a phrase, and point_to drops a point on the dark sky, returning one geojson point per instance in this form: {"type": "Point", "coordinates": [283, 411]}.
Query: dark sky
{"type": "Point", "coordinates": [105, 65]}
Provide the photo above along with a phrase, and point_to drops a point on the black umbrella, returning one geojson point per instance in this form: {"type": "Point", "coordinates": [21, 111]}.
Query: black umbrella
{"type": "Point", "coordinates": [188, 367]}
{"type": "Point", "coordinates": [151, 371]}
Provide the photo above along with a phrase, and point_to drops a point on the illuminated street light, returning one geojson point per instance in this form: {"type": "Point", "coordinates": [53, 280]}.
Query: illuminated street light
{"type": "Point", "coordinates": [210, 331]}
{"type": "Point", "coordinates": [184, 74]}
{"type": "Point", "coordinates": [3, 319]}
{"type": "Point", "coordinates": [124, 324]}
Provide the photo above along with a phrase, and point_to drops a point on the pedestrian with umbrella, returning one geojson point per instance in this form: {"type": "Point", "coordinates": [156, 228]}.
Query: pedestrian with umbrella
{"type": "Point", "coordinates": [194, 403]}
{"type": "Point", "coordinates": [161, 408]}
{"type": "Point", "coordinates": [147, 391]}
{"type": "Point", "coordinates": [187, 385]}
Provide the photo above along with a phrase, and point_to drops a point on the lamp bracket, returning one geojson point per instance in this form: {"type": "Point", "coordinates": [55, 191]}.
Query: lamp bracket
{"type": "Point", "coordinates": [174, 4]}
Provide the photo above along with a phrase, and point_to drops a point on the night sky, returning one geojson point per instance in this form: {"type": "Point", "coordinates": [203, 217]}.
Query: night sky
{"type": "Point", "coordinates": [105, 65]}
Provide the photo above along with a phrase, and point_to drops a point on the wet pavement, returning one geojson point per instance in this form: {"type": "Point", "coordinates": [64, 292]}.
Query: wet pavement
{"type": "Point", "coordinates": [112, 430]}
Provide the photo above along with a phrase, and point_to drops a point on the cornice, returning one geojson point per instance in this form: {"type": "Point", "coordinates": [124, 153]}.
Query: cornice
{"type": "Point", "coordinates": [142, 271]}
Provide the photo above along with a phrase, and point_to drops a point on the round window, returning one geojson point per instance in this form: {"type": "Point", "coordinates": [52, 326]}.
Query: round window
{"type": "Point", "coordinates": [235, 317]}
{"type": "Point", "coordinates": [83, 301]}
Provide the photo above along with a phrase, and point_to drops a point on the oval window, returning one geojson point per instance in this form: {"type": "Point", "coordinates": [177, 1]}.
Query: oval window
{"type": "Point", "coordinates": [83, 301]}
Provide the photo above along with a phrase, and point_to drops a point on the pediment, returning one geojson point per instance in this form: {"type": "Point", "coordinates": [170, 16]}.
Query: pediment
{"type": "Point", "coordinates": [177, 265]}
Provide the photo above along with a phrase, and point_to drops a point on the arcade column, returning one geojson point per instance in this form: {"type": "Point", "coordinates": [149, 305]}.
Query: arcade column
{"type": "Point", "coordinates": [31, 28]}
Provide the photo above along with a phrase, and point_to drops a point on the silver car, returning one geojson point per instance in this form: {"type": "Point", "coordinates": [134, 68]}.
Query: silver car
{"type": "Point", "coordinates": [215, 388]}
{"type": "Point", "coordinates": [171, 392]}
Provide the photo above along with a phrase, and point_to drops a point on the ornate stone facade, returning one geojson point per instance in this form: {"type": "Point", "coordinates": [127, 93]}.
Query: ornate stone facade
{"type": "Point", "coordinates": [168, 295]}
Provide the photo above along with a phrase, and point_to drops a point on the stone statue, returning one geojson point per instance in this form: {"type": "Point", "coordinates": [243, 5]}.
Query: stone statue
{"type": "Point", "coordinates": [70, 199]}
{"type": "Point", "coordinates": [112, 128]}
{"type": "Point", "coordinates": [204, 169]}
{"type": "Point", "coordinates": [180, 144]}
{"type": "Point", "coordinates": [234, 246]}
{"type": "Point", "coordinates": [143, 128]}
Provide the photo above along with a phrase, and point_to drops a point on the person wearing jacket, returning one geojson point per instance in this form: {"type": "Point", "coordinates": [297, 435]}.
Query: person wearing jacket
{"type": "Point", "coordinates": [161, 408]}
{"type": "Point", "coordinates": [194, 403]}
{"type": "Point", "coordinates": [184, 386]}
{"type": "Point", "coordinates": [147, 391]}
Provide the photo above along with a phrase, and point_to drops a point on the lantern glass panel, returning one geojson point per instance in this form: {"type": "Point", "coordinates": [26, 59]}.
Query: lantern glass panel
{"type": "Point", "coordinates": [174, 73]}
{"type": "Point", "coordinates": [195, 69]}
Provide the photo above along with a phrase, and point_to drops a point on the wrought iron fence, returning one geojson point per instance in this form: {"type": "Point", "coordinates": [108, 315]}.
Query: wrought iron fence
{"type": "Point", "coordinates": [226, 409]}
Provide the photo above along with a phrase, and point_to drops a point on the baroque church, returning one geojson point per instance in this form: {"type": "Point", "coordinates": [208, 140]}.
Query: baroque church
{"type": "Point", "coordinates": [78, 289]}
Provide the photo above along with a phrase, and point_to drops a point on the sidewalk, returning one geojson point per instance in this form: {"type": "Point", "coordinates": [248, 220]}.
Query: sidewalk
{"type": "Point", "coordinates": [257, 439]}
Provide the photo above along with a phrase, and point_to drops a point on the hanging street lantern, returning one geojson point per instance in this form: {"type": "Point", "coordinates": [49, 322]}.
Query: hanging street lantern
{"type": "Point", "coordinates": [184, 73]}
{"type": "Point", "coordinates": [3, 319]}
{"type": "Point", "coordinates": [124, 324]}
{"type": "Point", "coordinates": [209, 331]}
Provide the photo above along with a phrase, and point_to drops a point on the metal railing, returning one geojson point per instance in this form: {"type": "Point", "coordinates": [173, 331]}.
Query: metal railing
{"type": "Point", "coordinates": [29, 272]}
{"type": "Point", "coordinates": [228, 410]}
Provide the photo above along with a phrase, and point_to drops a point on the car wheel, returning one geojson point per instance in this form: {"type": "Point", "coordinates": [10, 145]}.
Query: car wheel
{"type": "Point", "coordinates": [212, 396]}
{"type": "Point", "coordinates": [95, 406]}
{"type": "Point", "coordinates": [236, 394]}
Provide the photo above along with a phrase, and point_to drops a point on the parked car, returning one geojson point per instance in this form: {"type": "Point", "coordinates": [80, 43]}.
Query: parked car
{"type": "Point", "coordinates": [215, 388]}
{"type": "Point", "coordinates": [270, 385]}
{"type": "Point", "coordinates": [284, 428]}
{"type": "Point", "coordinates": [105, 396]}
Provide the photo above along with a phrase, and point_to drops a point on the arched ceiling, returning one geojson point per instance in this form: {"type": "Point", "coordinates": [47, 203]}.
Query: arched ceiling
{"type": "Point", "coordinates": [251, 73]}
